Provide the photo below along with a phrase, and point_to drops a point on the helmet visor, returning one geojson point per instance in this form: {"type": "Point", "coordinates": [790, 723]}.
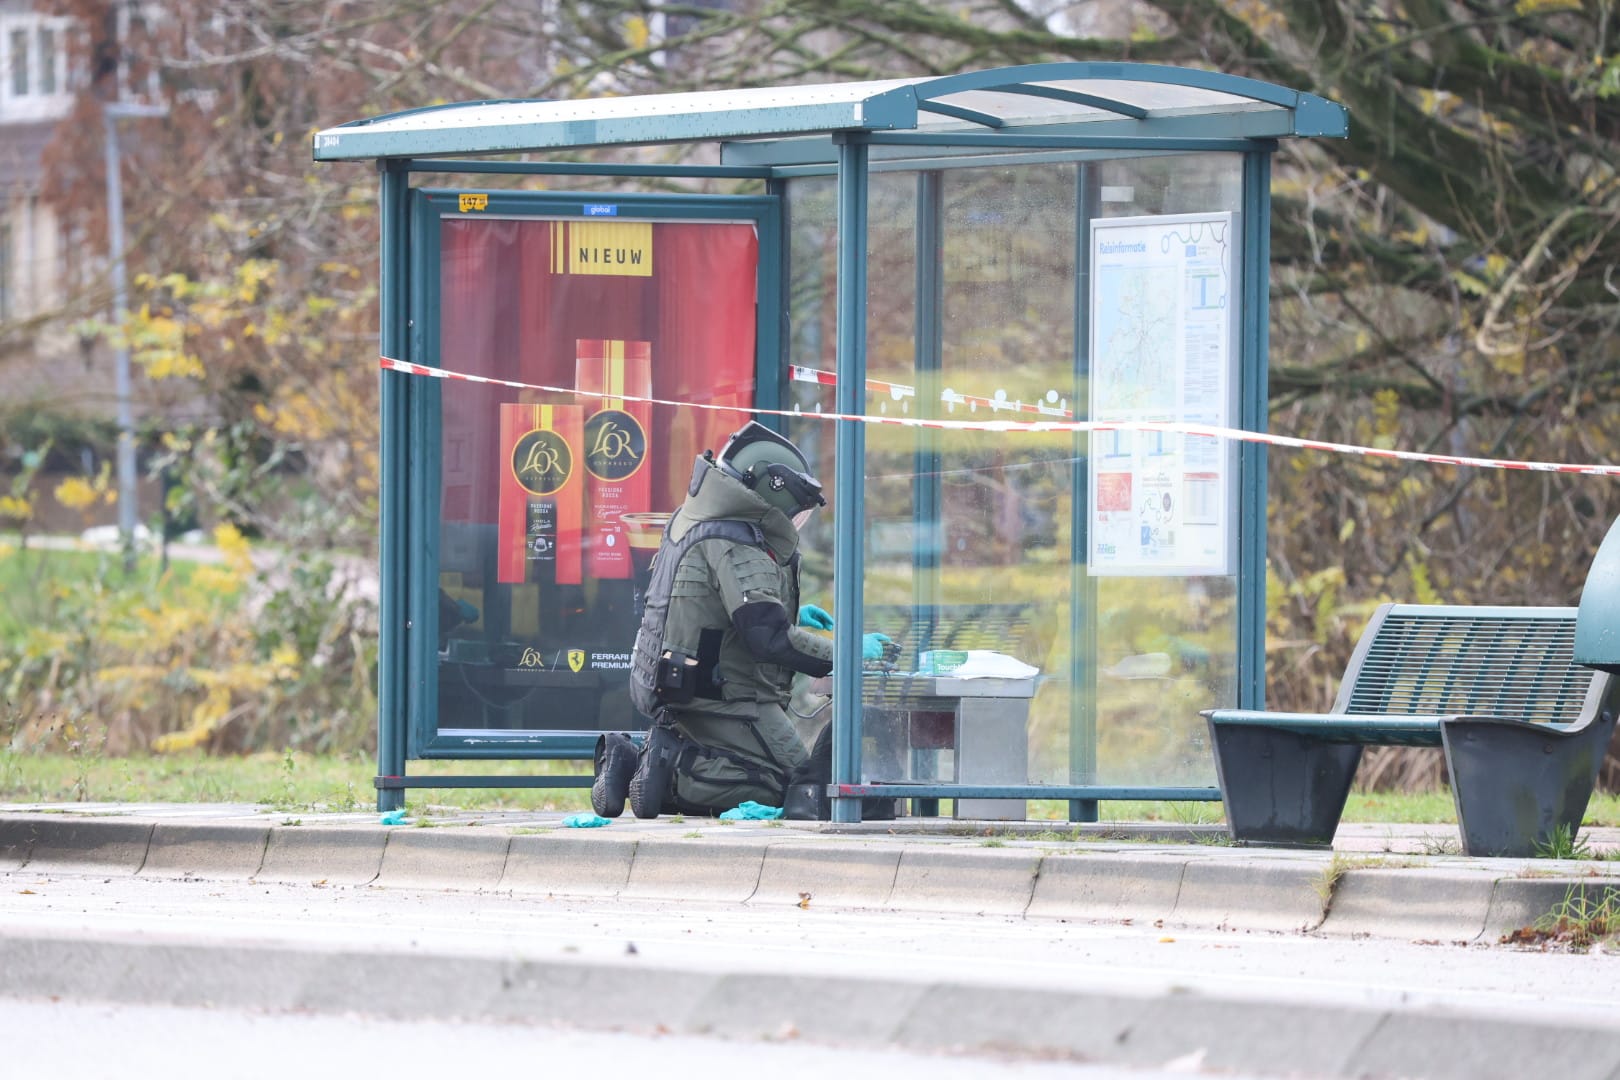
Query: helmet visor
{"type": "Point", "coordinates": [789, 490]}
{"type": "Point", "coordinates": [802, 518]}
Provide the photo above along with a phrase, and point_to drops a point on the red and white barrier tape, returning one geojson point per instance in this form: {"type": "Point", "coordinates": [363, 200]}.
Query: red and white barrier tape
{"type": "Point", "coordinates": [900, 391]}
{"type": "Point", "coordinates": [1034, 426]}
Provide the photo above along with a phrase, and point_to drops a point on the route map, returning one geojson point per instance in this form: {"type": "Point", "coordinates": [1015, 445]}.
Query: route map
{"type": "Point", "coordinates": [1163, 321]}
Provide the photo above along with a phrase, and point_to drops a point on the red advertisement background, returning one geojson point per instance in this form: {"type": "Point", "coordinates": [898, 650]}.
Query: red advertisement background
{"type": "Point", "coordinates": [504, 314]}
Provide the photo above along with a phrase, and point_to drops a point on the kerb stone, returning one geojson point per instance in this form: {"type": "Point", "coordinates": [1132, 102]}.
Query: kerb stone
{"type": "Point", "coordinates": [300, 855]}
{"type": "Point", "coordinates": [99, 846]}
{"type": "Point", "coordinates": [443, 858]}
{"type": "Point", "coordinates": [949, 879]}
{"type": "Point", "coordinates": [567, 864]}
{"type": "Point", "coordinates": [831, 874]}
{"type": "Point", "coordinates": [679, 868]}
{"type": "Point", "coordinates": [1242, 894]}
{"type": "Point", "coordinates": [206, 851]}
{"type": "Point", "coordinates": [1106, 887]}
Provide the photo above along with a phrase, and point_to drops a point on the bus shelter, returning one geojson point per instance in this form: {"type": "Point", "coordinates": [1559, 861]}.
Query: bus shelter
{"type": "Point", "coordinates": [1002, 312]}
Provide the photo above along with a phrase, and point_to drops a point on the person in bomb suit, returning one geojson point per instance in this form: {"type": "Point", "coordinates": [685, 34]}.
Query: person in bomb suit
{"type": "Point", "coordinates": [721, 637]}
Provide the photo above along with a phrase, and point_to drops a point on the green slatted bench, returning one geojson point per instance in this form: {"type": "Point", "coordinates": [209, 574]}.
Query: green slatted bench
{"type": "Point", "coordinates": [1524, 726]}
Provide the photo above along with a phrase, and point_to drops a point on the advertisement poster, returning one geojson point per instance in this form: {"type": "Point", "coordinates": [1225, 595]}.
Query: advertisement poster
{"type": "Point", "coordinates": [619, 480]}
{"type": "Point", "coordinates": [1163, 349]}
{"type": "Point", "coordinates": [551, 509]}
{"type": "Point", "coordinates": [538, 536]}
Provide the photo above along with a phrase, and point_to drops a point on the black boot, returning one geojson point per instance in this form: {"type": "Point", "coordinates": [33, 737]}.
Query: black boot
{"type": "Point", "coordinates": [615, 766]}
{"type": "Point", "coordinates": [654, 780]}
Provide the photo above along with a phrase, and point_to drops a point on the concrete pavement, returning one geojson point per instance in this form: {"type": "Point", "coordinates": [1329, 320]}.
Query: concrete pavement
{"type": "Point", "coordinates": [1398, 882]}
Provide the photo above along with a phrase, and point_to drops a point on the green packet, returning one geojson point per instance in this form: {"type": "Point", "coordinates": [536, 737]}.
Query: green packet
{"type": "Point", "coordinates": [940, 661]}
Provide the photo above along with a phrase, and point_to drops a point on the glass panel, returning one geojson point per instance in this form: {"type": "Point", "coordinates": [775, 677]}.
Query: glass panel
{"type": "Point", "coordinates": [551, 497]}
{"type": "Point", "coordinates": [47, 61]}
{"type": "Point", "coordinates": [1177, 184]}
{"type": "Point", "coordinates": [978, 544]}
{"type": "Point", "coordinates": [19, 63]}
{"type": "Point", "coordinates": [1166, 644]}
{"type": "Point", "coordinates": [1156, 96]}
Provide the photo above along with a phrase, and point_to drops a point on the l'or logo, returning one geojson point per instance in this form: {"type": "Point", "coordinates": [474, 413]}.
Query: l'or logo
{"type": "Point", "coordinates": [542, 462]}
{"type": "Point", "coordinates": [615, 445]}
{"type": "Point", "coordinates": [576, 659]}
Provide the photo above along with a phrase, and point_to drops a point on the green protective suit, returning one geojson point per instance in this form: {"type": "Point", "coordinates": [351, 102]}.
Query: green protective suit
{"type": "Point", "coordinates": [733, 606]}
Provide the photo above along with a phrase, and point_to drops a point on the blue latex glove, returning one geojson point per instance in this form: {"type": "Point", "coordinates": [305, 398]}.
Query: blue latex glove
{"type": "Point", "coordinates": [752, 811]}
{"type": "Point", "coordinates": [815, 618]}
{"type": "Point", "coordinates": [584, 820]}
{"type": "Point", "coordinates": [872, 645]}
{"type": "Point", "coordinates": [393, 817]}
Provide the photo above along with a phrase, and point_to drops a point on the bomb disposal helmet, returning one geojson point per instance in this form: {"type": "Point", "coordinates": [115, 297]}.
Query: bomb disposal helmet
{"type": "Point", "coordinates": [772, 468]}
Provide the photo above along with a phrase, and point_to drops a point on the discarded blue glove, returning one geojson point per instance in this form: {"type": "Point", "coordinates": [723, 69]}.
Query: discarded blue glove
{"type": "Point", "coordinates": [585, 820]}
{"type": "Point", "coordinates": [393, 817]}
{"type": "Point", "coordinates": [878, 647]}
{"type": "Point", "coordinates": [752, 811]}
{"type": "Point", "coordinates": [815, 618]}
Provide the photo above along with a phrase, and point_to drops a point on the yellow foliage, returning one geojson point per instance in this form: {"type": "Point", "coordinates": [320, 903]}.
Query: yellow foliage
{"type": "Point", "coordinates": [1423, 591]}
{"type": "Point", "coordinates": [76, 493]}
{"type": "Point", "coordinates": [234, 547]}
{"type": "Point", "coordinates": [1534, 7]}
{"type": "Point", "coordinates": [174, 365]}
{"type": "Point", "coordinates": [214, 579]}
{"type": "Point", "coordinates": [38, 644]}
{"type": "Point", "coordinates": [636, 32]}
{"type": "Point", "coordinates": [1386, 417]}
{"type": "Point", "coordinates": [1509, 363]}
{"type": "Point", "coordinates": [131, 673]}
{"type": "Point", "coordinates": [16, 507]}
{"type": "Point", "coordinates": [205, 717]}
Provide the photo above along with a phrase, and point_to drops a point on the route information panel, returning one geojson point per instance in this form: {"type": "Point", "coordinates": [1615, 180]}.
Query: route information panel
{"type": "Point", "coordinates": [1163, 349]}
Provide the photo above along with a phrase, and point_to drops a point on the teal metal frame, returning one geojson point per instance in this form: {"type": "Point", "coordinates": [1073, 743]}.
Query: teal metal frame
{"type": "Point", "coordinates": [774, 135]}
{"type": "Point", "coordinates": [411, 457]}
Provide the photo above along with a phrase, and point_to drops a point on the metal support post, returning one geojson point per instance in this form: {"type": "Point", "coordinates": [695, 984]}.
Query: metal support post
{"type": "Point", "coordinates": [850, 508]}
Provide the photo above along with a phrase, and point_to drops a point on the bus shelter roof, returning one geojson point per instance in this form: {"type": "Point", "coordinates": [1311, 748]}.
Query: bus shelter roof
{"type": "Point", "coordinates": [981, 111]}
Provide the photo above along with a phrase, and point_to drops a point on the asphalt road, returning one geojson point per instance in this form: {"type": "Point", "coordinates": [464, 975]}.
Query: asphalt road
{"type": "Point", "coordinates": [1268, 976]}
